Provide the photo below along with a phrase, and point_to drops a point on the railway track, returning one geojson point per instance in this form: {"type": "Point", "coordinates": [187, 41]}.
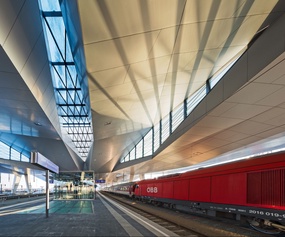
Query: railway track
{"type": "Point", "coordinates": [177, 229]}
{"type": "Point", "coordinates": [184, 224]}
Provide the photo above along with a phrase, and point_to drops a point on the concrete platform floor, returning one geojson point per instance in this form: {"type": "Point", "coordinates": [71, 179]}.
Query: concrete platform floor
{"type": "Point", "coordinates": [72, 218]}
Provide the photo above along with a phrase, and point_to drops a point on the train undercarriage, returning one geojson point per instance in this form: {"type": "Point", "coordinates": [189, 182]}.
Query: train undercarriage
{"type": "Point", "coordinates": [256, 217]}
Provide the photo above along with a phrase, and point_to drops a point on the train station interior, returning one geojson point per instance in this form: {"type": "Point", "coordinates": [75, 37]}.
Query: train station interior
{"type": "Point", "coordinates": [139, 88]}
{"type": "Point", "coordinates": [126, 90]}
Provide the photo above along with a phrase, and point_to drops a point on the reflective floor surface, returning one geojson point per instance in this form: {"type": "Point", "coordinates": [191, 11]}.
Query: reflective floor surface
{"type": "Point", "coordinates": [64, 207]}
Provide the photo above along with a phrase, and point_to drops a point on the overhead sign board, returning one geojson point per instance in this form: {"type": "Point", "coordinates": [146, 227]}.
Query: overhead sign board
{"type": "Point", "coordinates": [38, 159]}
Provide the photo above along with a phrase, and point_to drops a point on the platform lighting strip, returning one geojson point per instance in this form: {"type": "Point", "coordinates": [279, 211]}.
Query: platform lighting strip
{"type": "Point", "coordinates": [73, 112]}
{"type": "Point", "coordinates": [157, 135]}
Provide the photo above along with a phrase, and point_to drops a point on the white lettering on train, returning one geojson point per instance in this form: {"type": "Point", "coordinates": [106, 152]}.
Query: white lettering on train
{"type": "Point", "coordinates": [152, 190]}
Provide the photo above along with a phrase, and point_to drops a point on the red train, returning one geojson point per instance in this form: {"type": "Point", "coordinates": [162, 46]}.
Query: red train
{"type": "Point", "coordinates": [252, 188]}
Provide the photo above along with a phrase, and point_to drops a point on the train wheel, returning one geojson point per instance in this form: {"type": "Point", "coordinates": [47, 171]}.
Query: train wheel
{"type": "Point", "coordinates": [259, 225]}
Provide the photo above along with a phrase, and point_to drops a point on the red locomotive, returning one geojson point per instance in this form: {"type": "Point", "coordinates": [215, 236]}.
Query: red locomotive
{"type": "Point", "coordinates": [252, 188]}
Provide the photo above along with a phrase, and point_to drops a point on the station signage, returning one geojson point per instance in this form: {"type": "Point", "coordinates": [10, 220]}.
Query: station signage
{"type": "Point", "coordinates": [38, 159]}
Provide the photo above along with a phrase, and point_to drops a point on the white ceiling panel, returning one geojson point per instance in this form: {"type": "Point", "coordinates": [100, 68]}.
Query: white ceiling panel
{"type": "Point", "coordinates": [273, 99]}
{"type": "Point", "coordinates": [277, 120]}
{"type": "Point", "coordinates": [126, 17]}
{"type": "Point", "coordinates": [180, 60]}
{"type": "Point", "coordinates": [164, 43]}
{"type": "Point", "coordinates": [218, 122]}
{"type": "Point", "coordinates": [204, 35]}
{"type": "Point", "coordinates": [225, 135]}
{"type": "Point", "coordinates": [269, 115]}
{"type": "Point", "coordinates": [256, 7]}
{"type": "Point", "coordinates": [271, 133]}
{"type": "Point", "coordinates": [119, 90]}
{"type": "Point", "coordinates": [106, 78]}
{"type": "Point", "coordinates": [19, 53]}
{"type": "Point", "coordinates": [149, 84]}
{"type": "Point", "coordinates": [8, 14]}
{"type": "Point", "coordinates": [250, 127]}
{"type": "Point", "coordinates": [274, 75]}
{"type": "Point", "coordinates": [280, 80]}
{"type": "Point", "coordinates": [35, 64]}
{"type": "Point", "coordinates": [250, 25]}
{"type": "Point", "coordinates": [124, 51]}
{"type": "Point", "coordinates": [205, 10]}
{"type": "Point", "coordinates": [148, 68]}
{"type": "Point", "coordinates": [245, 111]}
{"type": "Point", "coordinates": [258, 91]}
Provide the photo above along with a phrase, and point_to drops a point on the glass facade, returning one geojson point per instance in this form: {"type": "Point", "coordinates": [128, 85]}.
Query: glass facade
{"type": "Point", "coordinates": [9, 153]}
{"type": "Point", "coordinates": [74, 185]}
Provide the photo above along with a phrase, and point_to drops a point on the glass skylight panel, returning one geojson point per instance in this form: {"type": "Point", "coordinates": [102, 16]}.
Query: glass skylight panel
{"type": "Point", "coordinates": [156, 137]}
{"type": "Point", "coordinates": [54, 52]}
{"type": "Point", "coordinates": [48, 5]}
{"type": "Point", "coordinates": [195, 99]}
{"type": "Point", "coordinates": [165, 130]}
{"type": "Point", "coordinates": [4, 151]}
{"type": "Point", "coordinates": [177, 116]}
{"type": "Point", "coordinates": [57, 26]}
{"type": "Point", "coordinates": [24, 158]}
{"type": "Point", "coordinates": [215, 79]}
{"type": "Point", "coordinates": [58, 72]}
{"type": "Point", "coordinates": [127, 157]}
{"type": "Point", "coordinates": [15, 155]}
{"type": "Point", "coordinates": [148, 143]}
{"type": "Point", "coordinates": [71, 75]}
{"type": "Point", "coordinates": [133, 154]}
{"type": "Point", "coordinates": [139, 149]}
{"type": "Point", "coordinates": [72, 109]}
{"type": "Point", "coordinates": [9, 153]}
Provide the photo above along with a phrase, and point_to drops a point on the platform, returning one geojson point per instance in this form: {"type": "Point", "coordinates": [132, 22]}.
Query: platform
{"type": "Point", "coordinates": [74, 218]}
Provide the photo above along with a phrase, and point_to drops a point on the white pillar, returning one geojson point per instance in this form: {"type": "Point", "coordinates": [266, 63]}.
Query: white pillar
{"type": "Point", "coordinates": [141, 176]}
{"type": "Point", "coordinates": [131, 177]}
{"type": "Point", "coordinates": [16, 182]}
{"type": "Point", "coordinates": [82, 176]}
{"type": "Point", "coordinates": [28, 180]}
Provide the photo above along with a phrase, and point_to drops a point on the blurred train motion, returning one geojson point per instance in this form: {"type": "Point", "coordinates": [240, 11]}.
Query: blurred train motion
{"type": "Point", "coordinates": [253, 189]}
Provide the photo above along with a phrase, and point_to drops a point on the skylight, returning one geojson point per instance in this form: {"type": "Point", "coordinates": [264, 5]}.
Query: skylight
{"type": "Point", "coordinates": [73, 111]}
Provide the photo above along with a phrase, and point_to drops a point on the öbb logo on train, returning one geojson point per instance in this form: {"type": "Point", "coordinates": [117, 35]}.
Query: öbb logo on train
{"type": "Point", "coordinates": [152, 190]}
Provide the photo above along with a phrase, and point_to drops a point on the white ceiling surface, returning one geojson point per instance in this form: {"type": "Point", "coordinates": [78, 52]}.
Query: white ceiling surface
{"type": "Point", "coordinates": [146, 57]}
{"type": "Point", "coordinates": [143, 59]}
